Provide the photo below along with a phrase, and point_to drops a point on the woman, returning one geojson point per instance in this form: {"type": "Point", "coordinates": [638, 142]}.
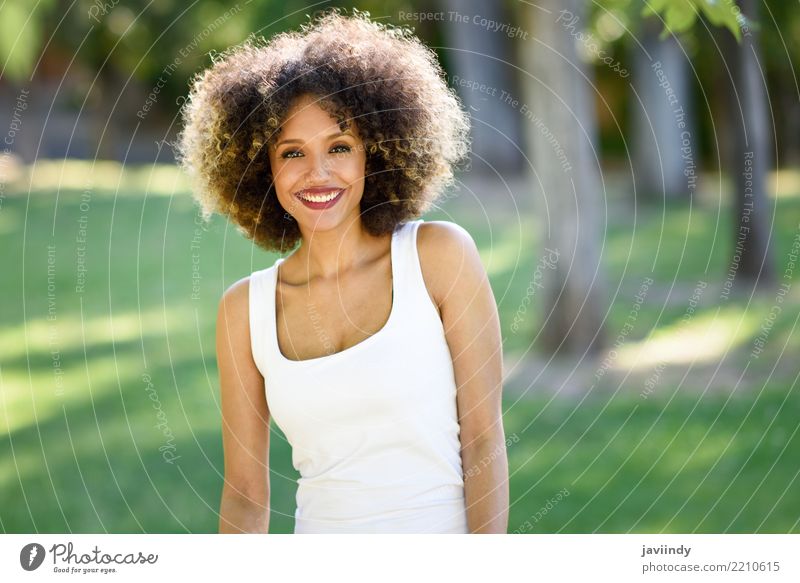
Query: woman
{"type": "Point", "coordinates": [375, 345]}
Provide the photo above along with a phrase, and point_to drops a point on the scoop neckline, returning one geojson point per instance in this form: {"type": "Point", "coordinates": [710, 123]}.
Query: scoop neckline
{"type": "Point", "coordinates": [347, 351]}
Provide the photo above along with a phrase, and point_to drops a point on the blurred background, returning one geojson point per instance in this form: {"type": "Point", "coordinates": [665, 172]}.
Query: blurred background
{"type": "Point", "coordinates": [634, 190]}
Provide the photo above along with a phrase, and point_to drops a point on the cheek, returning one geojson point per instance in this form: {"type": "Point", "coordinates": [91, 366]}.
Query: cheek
{"type": "Point", "coordinates": [356, 167]}
{"type": "Point", "coordinates": [283, 182]}
{"type": "Point", "coordinates": [284, 175]}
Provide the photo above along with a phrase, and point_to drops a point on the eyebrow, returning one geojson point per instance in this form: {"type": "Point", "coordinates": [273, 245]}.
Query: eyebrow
{"type": "Point", "coordinates": [329, 137]}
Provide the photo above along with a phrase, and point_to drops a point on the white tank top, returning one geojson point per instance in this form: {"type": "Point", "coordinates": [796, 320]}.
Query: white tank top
{"type": "Point", "coordinates": [374, 428]}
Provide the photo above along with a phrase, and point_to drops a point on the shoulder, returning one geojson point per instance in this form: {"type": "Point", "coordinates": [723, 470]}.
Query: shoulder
{"type": "Point", "coordinates": [448, 257]}
{"type": "Point", "coordinates": [237, 293]}
{"type": "Point", "coordinates": [234, 305]}
{"type": "Point", "coordinates": [445, 245]}
{"type": "Point", "coordinates": [443, 234]}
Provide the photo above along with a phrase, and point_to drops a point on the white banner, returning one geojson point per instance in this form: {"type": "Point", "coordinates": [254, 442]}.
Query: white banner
{"type": "Point", "coordinates": [415, 558]}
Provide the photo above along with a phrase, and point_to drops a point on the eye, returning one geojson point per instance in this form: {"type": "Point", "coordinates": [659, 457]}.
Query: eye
{"type": "Point", "coordinates": [341, 148]}
{"type": "Point", "coordinates": [289, 154]}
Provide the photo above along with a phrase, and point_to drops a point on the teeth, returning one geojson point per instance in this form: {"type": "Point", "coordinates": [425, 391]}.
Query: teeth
{"type": "Point", "coordinates": [320, 197]}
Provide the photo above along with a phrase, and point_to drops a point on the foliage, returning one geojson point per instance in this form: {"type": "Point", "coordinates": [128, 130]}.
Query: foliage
{"type": "Point", "coordinates": [22, 31]}
{"type": "Point", "coordinates": [681, 15]}
{"type": "Point", "coordinates": [140, 41]}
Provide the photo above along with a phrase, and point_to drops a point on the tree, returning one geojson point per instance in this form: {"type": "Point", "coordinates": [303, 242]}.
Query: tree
{"type": "Point", "coordinates": [751, 262]}
{"type": "Point", "coordinates": [480, 58]}
{"type": "Point", "coordinates": [566, 169]}
{"type": "Point", "coordinates": [560, 130]}
{"type": "Point", "coordinates": [662, 119]}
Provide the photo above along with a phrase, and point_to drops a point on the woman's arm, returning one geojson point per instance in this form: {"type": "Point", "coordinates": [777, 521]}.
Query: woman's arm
{"type": "Point", "coordinates": [245, 419]}
{"type": "Point", "coordinates": [461, 290]}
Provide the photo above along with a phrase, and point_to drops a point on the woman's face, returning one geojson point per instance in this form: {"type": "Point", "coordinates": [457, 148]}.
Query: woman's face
{"type": "Point", "coordinates": [318, 170]}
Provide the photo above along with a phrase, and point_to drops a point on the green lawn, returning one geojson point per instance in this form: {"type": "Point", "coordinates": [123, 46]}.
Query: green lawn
{"type": "Point", "coordinates": [80, 430]}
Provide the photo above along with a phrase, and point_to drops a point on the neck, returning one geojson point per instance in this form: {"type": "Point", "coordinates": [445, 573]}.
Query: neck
{"type": "Point", "coordinates": [328, 254]}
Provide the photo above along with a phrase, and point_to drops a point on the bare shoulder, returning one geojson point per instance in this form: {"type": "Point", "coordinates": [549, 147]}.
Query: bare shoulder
{"type": "Point", "coordinates": [233, 314]}
{"type": "Point", "coordinates": [233, 342]}
{"type": "Point", "coordinates": [448, 257]}
{"type": "Point", "coordinates": [236, 298]}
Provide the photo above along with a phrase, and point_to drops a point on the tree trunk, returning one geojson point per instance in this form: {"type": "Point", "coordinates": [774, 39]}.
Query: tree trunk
{"type": "Point", "coordinates": [663, 119]}
{"type": "Point", "coordinates": [481, 55]}
{"type": "Point", "coordinates": [559, 119]}
{"type": "Point", "coordinates": [789, 130]}
{"type": "Point", "coordinates": [751, 260]}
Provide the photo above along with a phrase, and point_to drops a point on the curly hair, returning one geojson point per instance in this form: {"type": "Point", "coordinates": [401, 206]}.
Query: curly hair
{"type": "Point", "coordinates": [382, 77]}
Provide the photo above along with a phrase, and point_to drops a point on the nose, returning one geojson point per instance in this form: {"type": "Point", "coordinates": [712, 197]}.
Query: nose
{"type": "Point", "coordinates": [319, 170]}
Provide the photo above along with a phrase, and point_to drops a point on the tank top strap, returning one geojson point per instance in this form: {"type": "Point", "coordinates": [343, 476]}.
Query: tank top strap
{"type": "Point", "coordinates": [411, 283]}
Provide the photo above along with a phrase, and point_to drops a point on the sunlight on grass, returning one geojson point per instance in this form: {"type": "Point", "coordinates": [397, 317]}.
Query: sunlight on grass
{"type": "Point", "coordinates": [704, 338]}
{"type": "Point", "coordinates": [784, 183]}
{"type": "Point", "coordinates": [22, 408]}
{"type": "Point", "coordinates": [154, 179]}
{"type": "Point", "coordinates": [92, 331]}
{"type": "Point", "coordinates": [714, 447]}
{"type": "Point", "coordinates": [36, 397]}
{"type": "Point", "coordinates": [505, 251]}
{"type": "Point", "coordinates": [166, 179]}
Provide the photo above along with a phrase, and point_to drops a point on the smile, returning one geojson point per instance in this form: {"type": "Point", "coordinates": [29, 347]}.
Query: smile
{"type": "Point", "coordinates": [319, 200]}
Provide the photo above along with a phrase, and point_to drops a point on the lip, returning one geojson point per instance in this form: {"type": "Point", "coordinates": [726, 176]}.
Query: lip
{"type": "Point", "coordinates": [320, 190]}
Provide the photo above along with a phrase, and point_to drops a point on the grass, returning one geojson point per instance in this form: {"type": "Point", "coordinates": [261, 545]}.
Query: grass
{"type": "Point", "coordinates": [692, 464]}
{"type": "Point", "coordinates": [80, 445]}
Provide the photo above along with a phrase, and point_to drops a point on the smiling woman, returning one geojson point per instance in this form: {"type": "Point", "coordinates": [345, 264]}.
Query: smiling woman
{"type": "Point", "coordinates": [375, 345]}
